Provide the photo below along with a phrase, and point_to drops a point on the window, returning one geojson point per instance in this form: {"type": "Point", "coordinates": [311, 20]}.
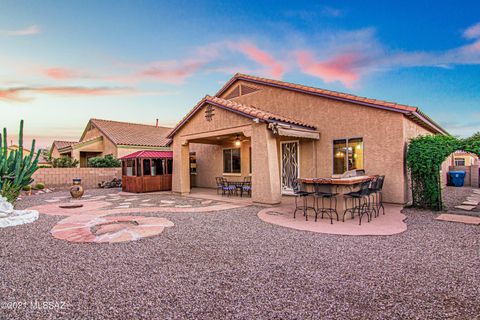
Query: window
{"type": "Point", "coordinates": [139, 168]}
{"type": "Point", "coordinates": [157, 167]}
{"type": "Point", "coordinates": [169, 166]}
{"type": "Point", "coordinates": [250, 160]}
{"type": "Point", "coordinates": [130, 167]}
{"type": "Point", "coordinates": [193, 163]}
{"type": "Point", "coordinates": [146, 167]}
{"type": "Point", "coordinates": [347, 155]}
{"type": "Point", "coordinates": [231, 161]}
{"type": "Point", "coordinates": [459, 161]}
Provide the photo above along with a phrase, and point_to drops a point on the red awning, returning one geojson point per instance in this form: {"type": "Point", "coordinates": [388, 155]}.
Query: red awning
{"type": "Point", "coordinates": [149, 154]}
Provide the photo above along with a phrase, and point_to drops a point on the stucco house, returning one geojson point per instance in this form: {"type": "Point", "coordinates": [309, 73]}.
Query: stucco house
{"type": "Point", "coordinates": [277, 131]}
{"type": "Point", "coordinates": [463, 158]}
{"type": "Point", "coordinates": [107, 137]}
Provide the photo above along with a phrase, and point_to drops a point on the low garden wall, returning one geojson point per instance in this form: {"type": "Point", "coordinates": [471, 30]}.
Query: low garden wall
{"type": "Point", "coordinates": [62, 177]}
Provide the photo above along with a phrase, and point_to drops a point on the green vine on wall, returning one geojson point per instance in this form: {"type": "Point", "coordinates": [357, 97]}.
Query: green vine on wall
{"type": "Point", "coordinates": [425, 156]}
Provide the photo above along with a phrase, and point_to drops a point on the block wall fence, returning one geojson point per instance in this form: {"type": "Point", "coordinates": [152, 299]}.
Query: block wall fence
{"type": "Point", "coordinates": [62, 177]}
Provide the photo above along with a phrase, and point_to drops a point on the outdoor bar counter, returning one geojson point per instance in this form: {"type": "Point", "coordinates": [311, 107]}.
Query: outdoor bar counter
{"type": "Point", "coordinates": [336, 185]}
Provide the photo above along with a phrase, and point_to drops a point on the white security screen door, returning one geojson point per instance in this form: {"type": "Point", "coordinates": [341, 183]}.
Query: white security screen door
{"type": "Point", "coordinates": [290, 165]}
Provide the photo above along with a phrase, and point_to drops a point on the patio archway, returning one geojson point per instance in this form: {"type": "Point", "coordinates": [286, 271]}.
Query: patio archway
{"type": "Point", "coordinates": [425, 156]}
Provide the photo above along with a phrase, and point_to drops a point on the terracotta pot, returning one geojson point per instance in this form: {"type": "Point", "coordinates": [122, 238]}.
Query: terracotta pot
{"type": "Point", "coordinates": [76, 190]}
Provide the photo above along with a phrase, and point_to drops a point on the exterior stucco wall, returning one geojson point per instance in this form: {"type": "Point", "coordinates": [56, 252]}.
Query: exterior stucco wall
{"type": "Point", "coordinates": [382, 132]}
{"type": "Point", "coordinates": [55, 153]}
{"type": "Point", "coordinates": [410, 131]}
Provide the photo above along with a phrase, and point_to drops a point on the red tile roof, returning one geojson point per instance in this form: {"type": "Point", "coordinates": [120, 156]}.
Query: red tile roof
{"type": "Point", "coordinates": [239, 108]}
{"type": "Point", "coordinates": [125, 133]}
{"type": "Point", "coordinates": [412, 112]}
{"type": "Point", "coordinates": [63, 144]}
{"type": "Point", "coordinates": [149, 154]}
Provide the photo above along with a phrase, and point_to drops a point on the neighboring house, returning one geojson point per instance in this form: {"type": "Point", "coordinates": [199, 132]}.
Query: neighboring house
{"type": "Point", "coordinates": [61, 148]}
{"type": "Point", "coordinates": [104, 137]}
{"type": "Point", "coordinates": [14, 147]}
{"type": "Point", "coordinates": [26, 151]}
{"type": "Point", "coordinates": [463, 158]}
{"type": "Point", "coordinates": [278, 131]}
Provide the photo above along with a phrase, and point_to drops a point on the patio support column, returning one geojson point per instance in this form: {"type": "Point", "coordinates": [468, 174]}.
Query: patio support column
{"type": "Point", "coordinates": [181, 168]}
{"type": "Point", "coordinates": [265, 169]}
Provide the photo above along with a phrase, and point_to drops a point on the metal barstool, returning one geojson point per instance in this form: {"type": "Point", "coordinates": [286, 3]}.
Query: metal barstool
{"type": "Point", "coordinates": [299, 193]}
{"type": "Point", "coordinates": [332, 201]}
{"type": "Point", "coordinates": [360, 202]}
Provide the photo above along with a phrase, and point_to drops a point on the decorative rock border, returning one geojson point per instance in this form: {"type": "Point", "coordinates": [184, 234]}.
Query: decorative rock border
{"type": "Point", "coordinates": [18, 218]}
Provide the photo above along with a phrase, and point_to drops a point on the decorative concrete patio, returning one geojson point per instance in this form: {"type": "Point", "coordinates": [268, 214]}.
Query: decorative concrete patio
{"type": "Point", "coordinates": [99, 218]}
{"type": "Point", "coordinates": [392, 222]}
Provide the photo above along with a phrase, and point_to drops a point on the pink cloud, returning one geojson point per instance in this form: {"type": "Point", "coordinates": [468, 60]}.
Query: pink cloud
{"type": "Point", "coordinates": [175, 72]}
{"type": "Point", "coordinates": [341, 67]}
{"type": "Point", "coordinates": [23, 94]}
{"type": "Point", "coordinates": [472, 32]}
{"type": "Point", "coordinates": [31, 30]}
{"type": "Point", "coordinates": [274, 68]}
{"type": "Point", "coordinates": [62, 73]}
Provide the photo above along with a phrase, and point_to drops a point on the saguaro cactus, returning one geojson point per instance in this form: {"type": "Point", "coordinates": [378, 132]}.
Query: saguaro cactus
{"type": "Point", "coordinates": [16, 170]}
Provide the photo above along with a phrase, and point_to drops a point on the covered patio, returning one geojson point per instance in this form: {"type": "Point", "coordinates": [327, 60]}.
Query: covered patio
{"type": "Point", "coordinates": [222, 138]}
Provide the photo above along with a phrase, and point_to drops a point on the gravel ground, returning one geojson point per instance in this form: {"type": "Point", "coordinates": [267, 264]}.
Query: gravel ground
{"type": "Point", "coordinates": [231, 265]}
{"type": "Point", "coordinates": [453, 196]}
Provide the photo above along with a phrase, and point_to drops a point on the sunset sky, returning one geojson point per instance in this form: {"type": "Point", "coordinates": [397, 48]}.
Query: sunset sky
{"type": "Point", "coordinates": [63, 62]}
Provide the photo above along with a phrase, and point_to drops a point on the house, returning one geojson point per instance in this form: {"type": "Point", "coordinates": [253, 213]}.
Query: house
{"type": "Point", "coordinates": [277, 131]}
{"type": "Point", "coordinates": [107, 137]}
{"type": "Point", "coordinates": [462, 158]}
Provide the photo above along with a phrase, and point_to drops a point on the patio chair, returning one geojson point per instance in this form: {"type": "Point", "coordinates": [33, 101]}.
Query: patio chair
{"type": "Point", "coordinates": [302, 194]}
{"type": "Point", "coordinates": [332, 203]}
{"type": "Point", "coordinates": [360, 202]}
{"type": "Point", "coordinates": [376, 192]}
{"type": "Point", "coordinates": [219, 181]}
{"type": "Point", "coordinates": [227, 189]}
{"type": "Point", "coordinates": [246, 186]}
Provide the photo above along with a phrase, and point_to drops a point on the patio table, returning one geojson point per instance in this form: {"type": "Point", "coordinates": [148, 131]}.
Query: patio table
{"type": "Point", "coordinates": [336, 185]}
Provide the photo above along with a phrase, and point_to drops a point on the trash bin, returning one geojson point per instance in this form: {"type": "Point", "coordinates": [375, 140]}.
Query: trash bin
{"type": "Point", "coordinates": [456, 178]}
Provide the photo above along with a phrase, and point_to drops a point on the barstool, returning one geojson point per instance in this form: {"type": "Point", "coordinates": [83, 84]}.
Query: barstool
{"type": "Point", "coordinates": [362, 196]}
{"type": "Point", "coordinates": [332, 199]}
{"type": "Point", "coordinates": [299, 193]}
{"type": "Point", "coordinates": [378, 203]}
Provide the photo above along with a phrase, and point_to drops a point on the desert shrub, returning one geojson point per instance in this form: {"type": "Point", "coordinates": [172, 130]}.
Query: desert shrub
{"type": "Point", "coordinates": [10, 191]}
{"type": "Point", "coordinates": [40, 186]}
{"type": "Point", "coordinates": [109, 161]}
{"type": "Point", "coordinates": [64, 162]}
{"type": "Point", "coordinates": [27, 188]}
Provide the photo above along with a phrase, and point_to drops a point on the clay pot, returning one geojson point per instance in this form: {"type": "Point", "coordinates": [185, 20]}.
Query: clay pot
{"type": "Point", "coordinates": [76, 190]}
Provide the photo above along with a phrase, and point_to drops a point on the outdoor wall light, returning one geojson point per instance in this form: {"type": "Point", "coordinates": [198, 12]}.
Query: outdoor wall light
{"type": "Point", "coordinates": [237, 141]}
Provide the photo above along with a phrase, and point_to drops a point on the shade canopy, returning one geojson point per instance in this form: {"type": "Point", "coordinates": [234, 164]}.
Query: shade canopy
{"type": "Point", "coordinates": [153, 154]}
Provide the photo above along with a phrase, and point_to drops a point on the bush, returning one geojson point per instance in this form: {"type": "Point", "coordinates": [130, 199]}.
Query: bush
{"type": "Point", "coordinates": [40, 186]}
{"type": "Point", "coordinates": [104, 162]}
{"type": "Point", "coordinates": [27, 188]}
{"type": "Point", "coordinates": [64, 162]}
{"type": "Point", "coordinates": [10, 191]}
{"type": "Point", "coordinates": [425, 156]}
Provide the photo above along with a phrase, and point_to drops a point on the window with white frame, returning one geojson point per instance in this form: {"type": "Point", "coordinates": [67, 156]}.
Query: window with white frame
{"type": "Point", "coordinates": [459, 161]}
{"type": "Point", "coordinates": [231, 160]}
